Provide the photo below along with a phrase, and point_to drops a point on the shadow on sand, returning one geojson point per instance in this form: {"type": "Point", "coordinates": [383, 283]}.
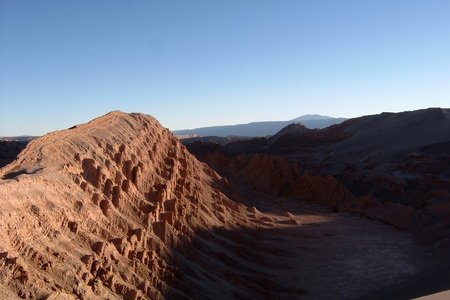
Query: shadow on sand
{"type": "Point", "coordinates": [324, 255]}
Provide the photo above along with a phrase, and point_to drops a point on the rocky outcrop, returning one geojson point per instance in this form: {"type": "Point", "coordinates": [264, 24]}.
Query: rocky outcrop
{"type": "Point", "coordinates": [278, 176]}
{"type": "Point", "coordinates": [297, 136]}
{"type": "Point", "coordinates": [283, 178]}
{"type": "Point", "coordinates": [97, 211]}
{"type": "Point", "coordinates": [417, 182]}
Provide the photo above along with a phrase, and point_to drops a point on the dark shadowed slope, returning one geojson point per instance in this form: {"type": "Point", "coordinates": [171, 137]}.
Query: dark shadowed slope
{"type": "Point", "coordinates": [399, 162]}
{"type": "Point", "coordinates": [398, 132]}
{"type": "Point", "coordinates": [9, 150]}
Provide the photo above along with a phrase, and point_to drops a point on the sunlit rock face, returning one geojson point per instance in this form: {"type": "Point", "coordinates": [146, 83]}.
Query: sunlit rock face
{"type": "Point", "coordinates": [96, 210]}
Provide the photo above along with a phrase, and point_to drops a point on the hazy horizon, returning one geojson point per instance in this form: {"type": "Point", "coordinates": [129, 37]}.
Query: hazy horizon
{"type": "Point", "coordinates": [25, 135]}
{"type": "Point", "coordinates": [198, 64]}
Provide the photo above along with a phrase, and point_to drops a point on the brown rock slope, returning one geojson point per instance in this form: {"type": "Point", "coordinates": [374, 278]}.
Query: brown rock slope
{"type": "Point", "coordinates": [94, 211]}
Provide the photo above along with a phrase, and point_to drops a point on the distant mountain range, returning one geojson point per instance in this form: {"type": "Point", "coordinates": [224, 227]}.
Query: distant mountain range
{"type": "Point", "coordinates": [21, 138]}
{"type": "Point", "coordinates": [383, 135]}
{"type": "Point", "coordinates": [258, 129]}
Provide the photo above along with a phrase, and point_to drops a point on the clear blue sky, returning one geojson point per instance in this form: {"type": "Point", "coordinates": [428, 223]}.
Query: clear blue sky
{"type": "Point", "coordinates": [199, 63]}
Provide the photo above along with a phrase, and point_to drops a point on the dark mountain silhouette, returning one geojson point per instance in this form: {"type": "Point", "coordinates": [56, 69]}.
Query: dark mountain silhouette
{"type": "Point", "coordinates": [397, 132]}
{"type": "Point", "coordinates": [260, 129]}
{"type": "Point", "coordinates": [311, 117]}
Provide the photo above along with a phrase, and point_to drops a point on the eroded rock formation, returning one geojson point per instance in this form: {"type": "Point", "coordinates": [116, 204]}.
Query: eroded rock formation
{"type": "Point", "coordinates": [80, 206]}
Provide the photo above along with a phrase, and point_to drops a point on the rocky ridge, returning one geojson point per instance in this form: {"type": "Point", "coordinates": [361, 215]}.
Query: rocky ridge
{"type": "Point", "coordinates": [117, 192]}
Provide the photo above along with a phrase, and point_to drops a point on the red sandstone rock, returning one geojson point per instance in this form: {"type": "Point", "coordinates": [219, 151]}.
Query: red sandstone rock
{"type": "Point", "coordinates": [120, 180]}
